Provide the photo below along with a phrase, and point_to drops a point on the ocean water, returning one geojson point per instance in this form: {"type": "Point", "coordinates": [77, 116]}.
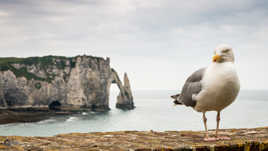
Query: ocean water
{"type": "Point", "coordinates": [154, 111]}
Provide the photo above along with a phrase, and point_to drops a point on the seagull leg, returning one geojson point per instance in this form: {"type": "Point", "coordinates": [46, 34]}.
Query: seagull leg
{"type": "Point", "coordinates": [218, 122]}
{"type": "Point", "coordinates": [205, 124]}
{"type": "Point", "coordinates": [217, 129]}
{"type": "Point", "coordinates": [207, 138]}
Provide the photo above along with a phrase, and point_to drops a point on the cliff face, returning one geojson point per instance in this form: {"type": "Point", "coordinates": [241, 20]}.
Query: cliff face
{"type": "Point", "coordinates": [55, 82]}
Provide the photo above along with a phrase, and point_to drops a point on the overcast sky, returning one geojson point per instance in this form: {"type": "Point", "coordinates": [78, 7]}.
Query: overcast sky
{"type": "Point", "coordinates": [159, 43]}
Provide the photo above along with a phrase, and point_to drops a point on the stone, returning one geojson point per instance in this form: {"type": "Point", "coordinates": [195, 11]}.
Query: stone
{"type": "Point", "coordinates": [255, 139]}
{"type": "Point", "coordinates": [125, 97]}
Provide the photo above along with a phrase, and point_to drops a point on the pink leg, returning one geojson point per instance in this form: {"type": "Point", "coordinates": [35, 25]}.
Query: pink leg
{"type": "Point", "coordinates": [217, 129]}
{"type": "Point", "coordinates": [218, 122]}
{"type": "Point", "coordinates": [207, 138]}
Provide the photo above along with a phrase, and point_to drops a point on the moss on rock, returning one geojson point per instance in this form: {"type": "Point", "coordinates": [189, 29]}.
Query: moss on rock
{"type": "Point", "coordinates": [38, 85]}
{"type": "Point", "coordinates": [241, 140]}
{"type": "Point", "coordinates": [44, 63]}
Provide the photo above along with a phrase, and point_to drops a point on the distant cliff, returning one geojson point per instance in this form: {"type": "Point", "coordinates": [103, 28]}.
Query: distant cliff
{"type": "Point", "coordinates": [59, 83]}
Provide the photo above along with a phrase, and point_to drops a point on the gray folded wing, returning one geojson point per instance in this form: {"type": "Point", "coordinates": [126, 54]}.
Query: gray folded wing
{"type": "Point", "coordinates": [192, 87]}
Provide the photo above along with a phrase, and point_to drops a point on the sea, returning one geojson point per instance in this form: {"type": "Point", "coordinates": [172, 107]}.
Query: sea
{"type": "Point", "coordinates": [154, 111]}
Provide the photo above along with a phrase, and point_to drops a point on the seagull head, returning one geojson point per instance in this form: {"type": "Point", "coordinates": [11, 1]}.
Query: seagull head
{"type": "Point", "coordinates": [223, 53]}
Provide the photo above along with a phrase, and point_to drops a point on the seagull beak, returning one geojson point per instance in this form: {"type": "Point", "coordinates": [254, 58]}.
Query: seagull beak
{"type": "Point", "coordinates": [216, 58]}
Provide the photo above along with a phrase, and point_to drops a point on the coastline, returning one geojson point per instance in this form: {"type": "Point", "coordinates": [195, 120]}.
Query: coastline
{"type": "Point", "coordinates": [27, 115]}
{"type": "Point", "coordinates": [20, 116]}
{"type": "Point", "coordinates": [255, 139]}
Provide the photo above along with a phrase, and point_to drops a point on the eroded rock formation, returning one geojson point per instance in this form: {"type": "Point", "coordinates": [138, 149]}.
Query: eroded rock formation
{"type": "Point", "coordinates": [125, 97]}
{"type": "Point", "coordinates": [57, 82]}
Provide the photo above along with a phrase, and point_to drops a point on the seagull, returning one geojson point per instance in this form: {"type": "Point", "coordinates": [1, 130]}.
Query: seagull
{"type": "Point", "coordinates": [212, 88]}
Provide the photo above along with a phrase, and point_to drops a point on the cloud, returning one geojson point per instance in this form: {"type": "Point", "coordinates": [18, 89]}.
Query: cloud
{"type": "Point", "coordinates": [170, 38]}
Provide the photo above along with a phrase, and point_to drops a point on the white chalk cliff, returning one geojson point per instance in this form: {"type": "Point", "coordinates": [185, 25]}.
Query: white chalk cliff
{"type": "Point", "coordinates": [69, 83]}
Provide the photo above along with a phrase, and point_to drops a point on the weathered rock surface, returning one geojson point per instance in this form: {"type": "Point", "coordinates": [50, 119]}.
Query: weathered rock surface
{"type": "Point", "coordinates": [58, 83]}
{"type": "Point", "coordinates": [241, 140]}
{"type": "Point", "coordinates": [125, 97]}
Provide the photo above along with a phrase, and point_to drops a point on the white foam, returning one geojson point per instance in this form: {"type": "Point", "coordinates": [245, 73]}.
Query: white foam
{"type": "Point", "coordinates": [84, 113]}
{"type": "Point", "coordinates": [46, 121]}
{"type": "Point", "coordinates": [70, 119]}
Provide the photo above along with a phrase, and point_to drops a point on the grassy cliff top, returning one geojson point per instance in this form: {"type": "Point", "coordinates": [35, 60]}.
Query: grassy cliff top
{"type": "Point", "coordinates": [44, 63]}
{"type": "Point", "coordinates": [45, 60]}
{"type": "Point", "coordinates": [241, 140]}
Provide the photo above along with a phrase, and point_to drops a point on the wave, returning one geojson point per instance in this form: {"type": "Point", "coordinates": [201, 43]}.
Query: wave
{"type": "Point", "coordinates": [92, 112]}
{"type": "Point", "coordinates": [84, 113]}
{"type": "Point", "coordinates": [71, 119]}
{"type": "Point", "coordinates": [46, 121]}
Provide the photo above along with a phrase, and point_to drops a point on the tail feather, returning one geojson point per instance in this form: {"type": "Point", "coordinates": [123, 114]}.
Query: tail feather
{"type": "Point", "coordinates": [176, 99]}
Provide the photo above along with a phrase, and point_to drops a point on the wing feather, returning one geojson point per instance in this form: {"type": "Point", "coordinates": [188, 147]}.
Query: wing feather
{"type": "Point", "coordinates": [192, 87]}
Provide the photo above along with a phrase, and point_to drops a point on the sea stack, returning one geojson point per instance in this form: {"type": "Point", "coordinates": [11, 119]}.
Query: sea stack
{"type": "Point", "coordinates": [125, 97]}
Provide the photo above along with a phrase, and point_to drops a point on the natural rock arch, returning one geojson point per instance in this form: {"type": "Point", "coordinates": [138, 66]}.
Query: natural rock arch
{"type": "Point", "coordinates": [125, 97]}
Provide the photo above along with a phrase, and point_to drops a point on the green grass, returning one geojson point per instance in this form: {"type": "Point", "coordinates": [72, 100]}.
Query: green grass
{"type": "Point", "coordinates": [22, 72]}
{"type": "Point", "coordinates": [43, 63]}
{"type": "Point", "coordinates": [38, 85]}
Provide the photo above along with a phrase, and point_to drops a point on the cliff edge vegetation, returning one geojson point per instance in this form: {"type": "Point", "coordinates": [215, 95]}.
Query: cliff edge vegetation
{"type": "Point", "coordinates": [44, 63]}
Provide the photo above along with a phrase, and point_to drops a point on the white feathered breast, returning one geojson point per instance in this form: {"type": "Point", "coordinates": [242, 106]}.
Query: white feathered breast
{"type": "Point", "coordinates": [220, 86]}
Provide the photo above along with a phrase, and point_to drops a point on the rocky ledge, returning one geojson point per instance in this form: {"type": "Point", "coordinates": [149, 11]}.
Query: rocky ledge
{"type": "Point", "coordinates": [241, 140]}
